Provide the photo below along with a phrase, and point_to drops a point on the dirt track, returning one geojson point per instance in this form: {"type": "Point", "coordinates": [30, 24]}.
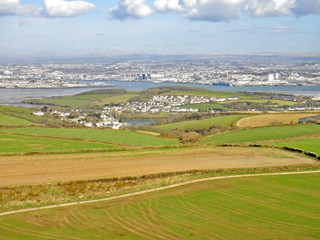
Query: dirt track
{"type": "Point", "coordinates": [16, 170]}
{"type": "Point", "coordinates": [152, 190]}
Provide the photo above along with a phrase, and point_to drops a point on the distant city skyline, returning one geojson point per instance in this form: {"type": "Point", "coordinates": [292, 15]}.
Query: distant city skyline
{"type": "Point", "coordinates": [159, 26]}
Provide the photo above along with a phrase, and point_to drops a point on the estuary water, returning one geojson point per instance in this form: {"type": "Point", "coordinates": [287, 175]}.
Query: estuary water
{"type": "Point", "coordinates": [16, 95]}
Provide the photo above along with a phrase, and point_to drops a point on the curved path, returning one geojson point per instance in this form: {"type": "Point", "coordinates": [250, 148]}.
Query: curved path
{"type": "Point", "coordinates": [153, 190]}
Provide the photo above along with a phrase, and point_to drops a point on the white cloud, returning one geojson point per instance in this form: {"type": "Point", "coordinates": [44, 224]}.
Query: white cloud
{"type": "Point", "coordinates": [13, 7]}
{"type": "Point", "coordinates": [135, 9]}
{"type": "Point", "coordinates": [269, 8]}
{"type": "Point", "coordinates": [64, 9]}
{"type": "Point", "coordinates": [225, 10]}
{"type": "Point", "coordinates": [306, 7]}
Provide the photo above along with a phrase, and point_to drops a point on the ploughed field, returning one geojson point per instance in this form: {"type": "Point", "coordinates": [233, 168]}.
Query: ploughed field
{"type": "Point", "coordinates": [263, 207]}
{"type": "Point", "coordinates": [15, 170]}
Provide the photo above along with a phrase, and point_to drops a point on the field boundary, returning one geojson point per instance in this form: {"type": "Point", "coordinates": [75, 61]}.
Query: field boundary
{"type": "Point", "coordinates": [152, 190]}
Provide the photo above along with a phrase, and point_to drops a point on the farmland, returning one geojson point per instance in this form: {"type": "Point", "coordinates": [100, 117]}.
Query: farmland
{"type": "Point", "coordinates": [241, 208]}
{"type": "Point", "coordinates": [73, 155]}
{"type": "Point", "coordinates": [264, 134]}
{"type": "Point", "coordinates": [206, 106]}
{"type": "Point", "coordinates": [89, 98]}
{"type": "Point", "coordinates": [108, 164]}
{"type": "Point", "coordinates": [311, 145]}
{"type": "Point", "coordinates": [6, 120]}
{"type": "Point", "coordinates": [18, 144]}
{"type": "Point", "coordinates": [220, 121]}
{"type": "Point", "coordinates": [272, 119]}
{"type": "Point", "coordinates": [107, 135]}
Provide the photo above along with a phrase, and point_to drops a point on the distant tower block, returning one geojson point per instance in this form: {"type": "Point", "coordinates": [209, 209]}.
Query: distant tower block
{"type": "Point", "coordinates": [276, 76]}
{"type": "Point", "coordinates": [270, 77]}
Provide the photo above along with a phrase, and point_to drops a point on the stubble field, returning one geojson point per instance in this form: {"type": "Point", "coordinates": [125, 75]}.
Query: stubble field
{"type": "Point", "coordinates": [15, 170]}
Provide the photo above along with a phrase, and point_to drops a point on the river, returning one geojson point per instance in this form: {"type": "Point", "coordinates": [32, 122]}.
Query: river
{"type": "Point", "coordinates": [15, 96]}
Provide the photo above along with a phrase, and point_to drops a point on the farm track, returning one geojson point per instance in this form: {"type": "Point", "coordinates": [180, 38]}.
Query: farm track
{"type": "Point", "coordinates": [153, 190]}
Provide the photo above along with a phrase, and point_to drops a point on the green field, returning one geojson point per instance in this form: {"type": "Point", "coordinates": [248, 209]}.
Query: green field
{"type": "Point", "coordinates": [90, 98]}
{"type": "Point", "coordinates": [263, 134]}
{"type": "Point", "coordinates": [223, 121]}
{"type": "Point", "coordinates": [218, 94]}
{"type": "Point", "coordinates": [6, 120]}
{"type": "Point", "coordinates": [14, 143]}
{"type": "Point", "coordinates": [76, 101]}
{"type": "Point", "coordinates": [311, 145]}
{"type": "Point", "coordinates": [20, 116]}
{"type": "Point", "coordinates": [265, 207]}
{"type": "Point", "coordinates": [206, 106]}
{"type": "Point", "coordinates": [116, 99]}
{"type": "Point", "coordinates": [107, 135]}
{"type": "Point", "coordinates": [266, 102]}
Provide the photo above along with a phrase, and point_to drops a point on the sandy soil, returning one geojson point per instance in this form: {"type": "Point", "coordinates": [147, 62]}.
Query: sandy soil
{"type": "Point", "coordinates": [15, 170]}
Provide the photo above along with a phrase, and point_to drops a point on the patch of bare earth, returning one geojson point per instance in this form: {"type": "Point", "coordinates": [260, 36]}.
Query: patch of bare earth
{"type": "Point", "coordinates": [16, 170]}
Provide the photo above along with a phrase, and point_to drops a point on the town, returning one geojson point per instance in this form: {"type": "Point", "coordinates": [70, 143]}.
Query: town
{"type": "Point", "coordinates": [204, 71]}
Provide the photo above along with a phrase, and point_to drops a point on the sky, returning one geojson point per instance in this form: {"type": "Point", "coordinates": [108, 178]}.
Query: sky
{"type": "Point", "coordinates": [159, 26]}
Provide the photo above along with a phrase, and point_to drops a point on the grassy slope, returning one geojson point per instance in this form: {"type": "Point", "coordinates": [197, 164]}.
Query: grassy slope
{"type": "Point", "coordinates": [26, 114]}
{"type": "Point", "coordinates": [74, 101]}
{"type": "Point", "coordinates": [224, 121]}
{"type": "Point", "coordinates": [12, 144]}
{"type": "Point", "coordinates": [108, 135]}
{"type": "Point", "coordinates": [211, 94]}
{"type": "Point", "coordinates": [269, 207]}
{"type": "Point", "coordinates": [6, 120]}
{"type": "Point", "coordinates": [264, 133]}
{"type": "Point", "coordinates": [21, 113]}
{"type": "Point", "coordinates": [205, 106]}
{"type": "Point", "coordinates": [272, 102]}
{"type": "Point", "coordinates": [116, 99]}
{"type": "Point", "coordinates": [311, 145]}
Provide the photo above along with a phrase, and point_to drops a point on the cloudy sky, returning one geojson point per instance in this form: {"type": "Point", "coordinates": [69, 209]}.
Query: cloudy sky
{"type": "Point", "coordinates": [159, 26]}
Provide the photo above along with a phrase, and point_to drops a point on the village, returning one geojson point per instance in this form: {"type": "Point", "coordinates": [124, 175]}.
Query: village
{"type": "Point", "coordinates": [105, 118]}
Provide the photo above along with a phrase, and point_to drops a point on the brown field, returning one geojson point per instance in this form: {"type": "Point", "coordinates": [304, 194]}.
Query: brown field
{"type": "Point", "coordinates": [272, 119]}
{"type": "Point", "coordinates": [15, 170]}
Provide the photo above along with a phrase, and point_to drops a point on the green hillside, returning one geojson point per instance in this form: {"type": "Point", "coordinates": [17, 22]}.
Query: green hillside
{"type": "Point", "coordinates": [261, 208]}
{"type": "Point", "coordinates": [107, 135]}
{"type": "Point", "coordinates": [263, 134]}
{"type": "Point", "coordinates": [223, 121]}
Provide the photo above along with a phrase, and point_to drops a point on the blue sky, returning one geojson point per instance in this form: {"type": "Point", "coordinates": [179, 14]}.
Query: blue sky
{"type": "Point", "coordinates": [159, 26]}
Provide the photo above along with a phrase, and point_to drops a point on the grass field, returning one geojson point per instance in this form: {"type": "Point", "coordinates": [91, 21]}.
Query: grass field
{"type": "Point", "coordinates": [218, 94]}
{"type": "Point", "coordinates": [83, 100]}
{"type": "Point", "coordinates": [263, 134]}
{"type": "Point", "coordinates": [107, 135]}
{"type": "Point", "coordinates": [79, 166]}
{"type": "Point", "coordinates": [206, 106]}
{"type": "Point", "coordinates": [264, 207]}
{"type": "Point", "coordinates": [6, 120]}
{"type": "Point", "coordinates": [21, 116]}
{"type": "Point", "coordinates": [267, 102]}
{"type": "Point", "coordinates": [223, 121]}
{"type": "Point", "coordinates": [272, 119]}
{"type": "Point", "coordinates": [311, 145]}
{"type": "Point", "coordinates": [15, 143]}
{"type": "Point", "coordinates": [116, 99]}
{"type": "Point", "coordinates": [75, 101]}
